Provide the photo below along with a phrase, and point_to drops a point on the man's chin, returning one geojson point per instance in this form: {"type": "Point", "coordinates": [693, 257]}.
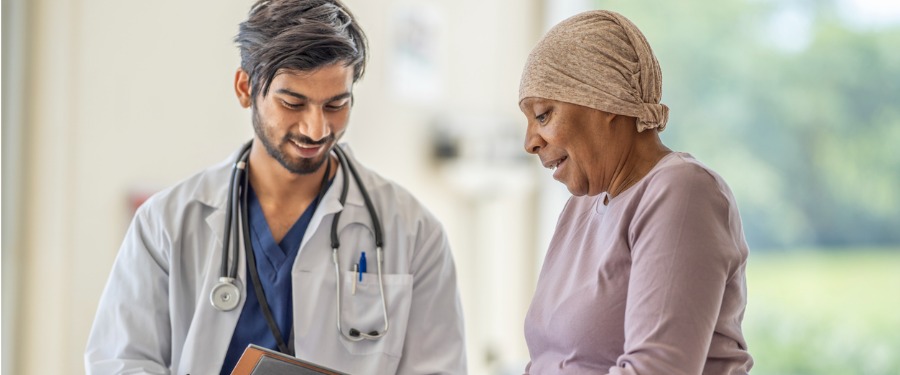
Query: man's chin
{"type": "Point", "coordinates": [304, 166]}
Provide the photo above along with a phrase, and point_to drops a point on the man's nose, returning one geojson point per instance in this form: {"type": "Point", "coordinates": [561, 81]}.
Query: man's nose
{"type": "Point", "coordinates": [314, 124]}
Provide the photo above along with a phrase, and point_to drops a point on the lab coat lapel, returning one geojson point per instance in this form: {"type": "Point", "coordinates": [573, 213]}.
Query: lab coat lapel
{"type": "Point", "coordinates": [217, 198]}
{"type": "Point", "coordinates": [331, 205]}
{"type": "Point", "coordinates": [211, 329]}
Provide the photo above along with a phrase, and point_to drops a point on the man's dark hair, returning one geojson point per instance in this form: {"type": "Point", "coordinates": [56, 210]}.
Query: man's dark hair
{"type": "Point", "coordinates": [300, 35]}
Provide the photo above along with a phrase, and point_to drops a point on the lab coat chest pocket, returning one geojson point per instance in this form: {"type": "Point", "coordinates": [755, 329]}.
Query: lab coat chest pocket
{"type": "Point", "coordinates": [363, 310]}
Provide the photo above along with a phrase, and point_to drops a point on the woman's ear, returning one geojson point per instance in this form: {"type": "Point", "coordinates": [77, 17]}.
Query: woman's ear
{"type": "Point", "coordinates": [607, 118]}
{"type": "Point", "coordinates": [242, 87]}
{"type": "Point", "coordinates": [625, 122]}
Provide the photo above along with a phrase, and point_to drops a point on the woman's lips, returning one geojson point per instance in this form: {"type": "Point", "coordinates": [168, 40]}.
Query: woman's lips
{"type": "Point", "coordinates": [557, 169]}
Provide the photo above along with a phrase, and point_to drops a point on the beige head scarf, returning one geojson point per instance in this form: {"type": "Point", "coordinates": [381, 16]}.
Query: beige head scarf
{"type": "Point", "coordinates": [598, 59]}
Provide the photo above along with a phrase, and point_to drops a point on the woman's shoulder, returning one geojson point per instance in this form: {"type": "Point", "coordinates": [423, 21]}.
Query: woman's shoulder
{"type": "Point", "coordinates": [680, 165]}
{"type": "Point", "coordinates": [681, 170]}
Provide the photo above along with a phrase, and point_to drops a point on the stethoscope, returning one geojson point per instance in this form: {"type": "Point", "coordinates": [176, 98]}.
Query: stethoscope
{"type": "Point", "coordinates": [225, 295]}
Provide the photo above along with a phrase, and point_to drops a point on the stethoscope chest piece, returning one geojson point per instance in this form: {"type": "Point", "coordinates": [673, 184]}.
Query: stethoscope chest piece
{"type": "Point", "coordinates": [225, 295]}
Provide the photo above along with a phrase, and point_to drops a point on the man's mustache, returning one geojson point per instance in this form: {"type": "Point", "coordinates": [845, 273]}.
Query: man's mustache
{"type": "Point", "coordinates": [302, 139]}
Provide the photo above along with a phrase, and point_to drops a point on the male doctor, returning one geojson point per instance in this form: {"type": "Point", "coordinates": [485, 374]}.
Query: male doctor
{"type": "Point", "coordinates": [159, 313]}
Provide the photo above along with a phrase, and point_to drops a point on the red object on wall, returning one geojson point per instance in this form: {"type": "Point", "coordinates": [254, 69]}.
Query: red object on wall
{"type": "Point", "coordinates": [137, 197]}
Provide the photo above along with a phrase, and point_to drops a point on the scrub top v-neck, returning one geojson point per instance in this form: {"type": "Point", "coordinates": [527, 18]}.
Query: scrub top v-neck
{"type": "Point", "coordinates": [273, 263]}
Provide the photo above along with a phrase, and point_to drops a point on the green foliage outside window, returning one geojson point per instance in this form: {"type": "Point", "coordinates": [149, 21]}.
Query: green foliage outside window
{"type": "Point", "coordinates": [799, 110]}
{"type": "Point", "coordinates": [802, 120]}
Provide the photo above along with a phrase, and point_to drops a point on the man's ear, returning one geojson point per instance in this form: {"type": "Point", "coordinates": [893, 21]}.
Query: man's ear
{"type": "Point", "coordinates": [242, 87]}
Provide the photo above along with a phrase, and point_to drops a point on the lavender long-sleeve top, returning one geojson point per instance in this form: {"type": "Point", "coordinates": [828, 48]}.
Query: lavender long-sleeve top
{"type": "Point", "coordinates": [651, 283]}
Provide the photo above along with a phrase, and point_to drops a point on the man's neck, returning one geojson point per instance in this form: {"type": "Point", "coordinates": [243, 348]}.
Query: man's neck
{"type": "Point", "coordinates": [283, 195]}
{"type": "Point", "coordinates": [273, 183]}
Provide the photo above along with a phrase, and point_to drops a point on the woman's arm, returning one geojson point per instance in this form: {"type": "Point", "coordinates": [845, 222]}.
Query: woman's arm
{"type": "Point", "coordinates": [683, 253]}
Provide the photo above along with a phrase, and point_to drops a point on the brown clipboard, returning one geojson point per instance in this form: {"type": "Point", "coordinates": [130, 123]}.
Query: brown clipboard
{"type": "Point", "coordinates": [257, 360]}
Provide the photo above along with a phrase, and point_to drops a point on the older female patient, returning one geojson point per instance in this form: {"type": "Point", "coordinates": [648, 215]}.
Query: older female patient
{"type": "Point", "coordinates": [645, 272]}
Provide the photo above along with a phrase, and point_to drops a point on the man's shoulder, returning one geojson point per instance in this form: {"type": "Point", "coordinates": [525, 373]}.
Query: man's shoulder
{"type": "Point", "coordinates": [390, 191]}
{"type": "Point", "coordinates": [394, 201]}
{"type": "Point", "coordinates": [376, 183]}
{"type": "Point", "coordinates": [207, 187]}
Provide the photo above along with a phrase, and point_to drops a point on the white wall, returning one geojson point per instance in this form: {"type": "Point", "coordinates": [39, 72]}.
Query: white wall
{"type": "Point", "coordinates": [14, 14]}
{"type": "Point", "coordinates": [121, 95]}
{"type": "Point", "coordinates": [482, 47]}
{"type": "Point", "coordinates": [132, 96]}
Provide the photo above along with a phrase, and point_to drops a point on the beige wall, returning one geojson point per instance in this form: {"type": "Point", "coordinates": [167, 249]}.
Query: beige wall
{"type": "Point", "coordinates": [124, 96]}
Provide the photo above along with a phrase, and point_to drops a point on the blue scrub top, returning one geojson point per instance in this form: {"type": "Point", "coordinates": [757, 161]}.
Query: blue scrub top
{"type": "Point", "coordinates": [273, 262]}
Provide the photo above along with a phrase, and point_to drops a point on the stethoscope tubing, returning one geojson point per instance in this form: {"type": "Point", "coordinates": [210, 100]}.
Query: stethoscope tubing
{"type": "Point", "coordinates": [283, 345]}
{"type": "Point", "coordinates": [225, 295]}
{"type": "Point", "coordinates": [237, 170]}
{"type": "Point", "coordinates": [237, 196]}
{"type": "Point", "coordinates": [376, 223]}
{"type": "Point", "coordinates": [354, 334]}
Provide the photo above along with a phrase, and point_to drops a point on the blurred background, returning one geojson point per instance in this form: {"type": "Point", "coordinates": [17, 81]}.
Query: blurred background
{"type": "Point", "coordinates": [796, 103]}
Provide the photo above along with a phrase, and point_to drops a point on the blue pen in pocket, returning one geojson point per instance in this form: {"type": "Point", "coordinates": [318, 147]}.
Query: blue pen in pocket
{"type": "Point", "coordinates": [362, 265]}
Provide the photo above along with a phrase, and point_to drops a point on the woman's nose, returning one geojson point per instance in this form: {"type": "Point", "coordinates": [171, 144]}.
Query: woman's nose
{"type": "Point", "coordinates": [533, 141]}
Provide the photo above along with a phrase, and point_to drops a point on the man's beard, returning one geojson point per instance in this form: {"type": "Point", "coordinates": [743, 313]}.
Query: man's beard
{"type": "Point", "coordinates": [296, 166]}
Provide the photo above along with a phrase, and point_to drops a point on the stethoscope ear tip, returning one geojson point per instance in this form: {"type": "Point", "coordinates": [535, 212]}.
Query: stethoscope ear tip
{"type": "Point", "coordinates": [355, 333]}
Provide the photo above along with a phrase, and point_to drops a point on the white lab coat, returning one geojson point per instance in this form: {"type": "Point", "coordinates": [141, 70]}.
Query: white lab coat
{"type": "Point", "coordinates": [155, 315]}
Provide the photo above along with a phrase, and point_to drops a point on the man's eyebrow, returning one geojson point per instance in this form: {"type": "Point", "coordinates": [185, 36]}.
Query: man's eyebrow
{"type": "Point", "coordinates": [304, 98]}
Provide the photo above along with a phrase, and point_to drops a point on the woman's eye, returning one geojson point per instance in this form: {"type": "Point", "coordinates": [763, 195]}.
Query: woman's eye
{"type": "Point", "coordinates": [541, 118]}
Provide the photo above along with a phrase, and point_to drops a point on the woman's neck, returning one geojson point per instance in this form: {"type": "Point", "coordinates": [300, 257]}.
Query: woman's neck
{"type": "Point", "coordinates": [648, 150]}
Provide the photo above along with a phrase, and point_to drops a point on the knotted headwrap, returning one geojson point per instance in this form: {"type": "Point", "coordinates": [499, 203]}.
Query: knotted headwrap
{"type": "Point", "coordinates": [598, 59]}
